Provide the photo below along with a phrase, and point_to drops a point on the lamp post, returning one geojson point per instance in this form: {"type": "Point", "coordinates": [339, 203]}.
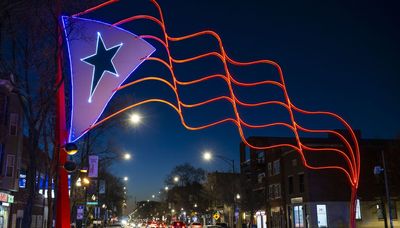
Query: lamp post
{"type": "Point", "coordinates": [207, 156]}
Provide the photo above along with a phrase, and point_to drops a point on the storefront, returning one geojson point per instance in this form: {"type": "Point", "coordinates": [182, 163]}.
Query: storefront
{"type": "Point", "coordinates": [5, 201]}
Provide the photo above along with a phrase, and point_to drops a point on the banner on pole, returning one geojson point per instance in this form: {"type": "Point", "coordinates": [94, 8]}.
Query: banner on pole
{"type": "Point", "coordinates": [93, 165]}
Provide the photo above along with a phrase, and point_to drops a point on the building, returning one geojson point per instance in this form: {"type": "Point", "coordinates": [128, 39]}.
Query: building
{"type": "Point", "coordinates": [10, 146]}
{"type": "Point", "coordinates": [281, 192]}
{"type": "Point", "coordinates": [40, 209]}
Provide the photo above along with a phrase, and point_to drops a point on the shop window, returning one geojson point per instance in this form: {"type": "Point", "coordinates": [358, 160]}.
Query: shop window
{"type": "Point", "coordinates": [358, 209]}
{"type": "Point", "coordinates": [10, 165]}
{"type": "Point", "coordinates": [321, 216]}
{"type": "Point", "coordinates": [298, 217]}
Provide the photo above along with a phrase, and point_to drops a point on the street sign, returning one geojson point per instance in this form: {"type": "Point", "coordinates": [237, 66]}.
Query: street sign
{"type": "Point", "coordinates": [216, 215]}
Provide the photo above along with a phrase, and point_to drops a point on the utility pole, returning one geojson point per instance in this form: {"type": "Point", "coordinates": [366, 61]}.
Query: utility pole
{"type": "Point", "coordinates": [387, 189]}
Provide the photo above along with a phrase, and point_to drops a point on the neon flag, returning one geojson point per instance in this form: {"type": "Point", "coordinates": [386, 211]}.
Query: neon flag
{"type": "Point", "coordinates": [101, 57]}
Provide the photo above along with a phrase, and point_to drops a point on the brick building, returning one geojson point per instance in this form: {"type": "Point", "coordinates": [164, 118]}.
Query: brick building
{"type": "Point", "coordinates": [283, 193]}
{"type": "Point", "coordinates": [10, 146]}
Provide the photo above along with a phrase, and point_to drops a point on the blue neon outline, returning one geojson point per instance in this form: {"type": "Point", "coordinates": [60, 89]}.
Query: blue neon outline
{"type": "Point", "coordinates": [71, 72]}
{"type": "Point", "coordinates": [99, 37]}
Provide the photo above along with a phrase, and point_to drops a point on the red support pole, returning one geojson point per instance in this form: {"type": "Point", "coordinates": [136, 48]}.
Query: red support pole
{"type": "Point", "coordinates": [62, 204]}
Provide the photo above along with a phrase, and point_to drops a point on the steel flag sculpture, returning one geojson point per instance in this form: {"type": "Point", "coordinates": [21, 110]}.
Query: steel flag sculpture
{"type": "Point", "coordinates": [110, 47]}
{"type": "Point", "coordinates": [101, 57]}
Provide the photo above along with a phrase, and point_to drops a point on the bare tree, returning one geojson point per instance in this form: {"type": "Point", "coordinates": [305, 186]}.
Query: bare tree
{"type": "Point", "coordinates": [28, 51]}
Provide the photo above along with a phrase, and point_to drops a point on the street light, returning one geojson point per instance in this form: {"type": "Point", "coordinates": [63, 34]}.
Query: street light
{"type": "Point", "coordinates": [86, 181]}
{"type": "Point", "coordinates": [127, 156]}
{"type": "Point", "coordinates": [125, 178]}
{"type": "Point", "coordinates": [176, 179]}
{"type": "Point", "coordinates": [153, 196]}
{"type": "Point", "coordinates": [78, 182]}
{"type": "Point", "coordinates": [238, 196]}
{"type": "Point", "coordinates": [135, 118]}
{"type": "Point", "coordinates": [207, 156]}
{"type": "Point", "coordinates": [166, 188]}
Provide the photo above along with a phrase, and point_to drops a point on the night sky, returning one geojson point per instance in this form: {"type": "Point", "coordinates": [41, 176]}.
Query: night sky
{"type": "Point", "coordinates": [336, 56]}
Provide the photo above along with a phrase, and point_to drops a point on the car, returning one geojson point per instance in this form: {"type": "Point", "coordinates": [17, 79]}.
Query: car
{"type": "Point", "coordinates": [178, 224]}
{"type": "Point", "coordinates": [196, 225]}
{"type": "Point", "coordinates": [152, 224]}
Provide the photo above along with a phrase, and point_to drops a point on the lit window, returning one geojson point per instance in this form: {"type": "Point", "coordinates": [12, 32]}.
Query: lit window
{"type": "Point", "coordinates": [277, 167]}
{"type": "Point", "coordinates": [321, 216]}
{"type": "Point", "coordinates": [358, 209]}
{"type": "Point", "coordinates": [298, 216]}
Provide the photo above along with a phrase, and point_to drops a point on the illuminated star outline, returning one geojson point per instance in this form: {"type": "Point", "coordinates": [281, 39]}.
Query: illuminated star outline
{"type": "Point", "coordinates": [99, 37]}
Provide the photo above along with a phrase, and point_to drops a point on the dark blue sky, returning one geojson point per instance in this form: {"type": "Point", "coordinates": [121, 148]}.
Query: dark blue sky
{"type": "Point", "coordinates": [336, 56]}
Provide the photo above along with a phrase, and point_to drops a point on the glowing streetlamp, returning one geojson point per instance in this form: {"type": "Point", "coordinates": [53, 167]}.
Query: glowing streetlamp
{"type": "Point", "coordinates": [153, 196]}
{"type": "Point", "coordinates": [135, 118]}
{"type": "Point", "coordinates": [86, 181]}
{"type": "Point", "coordinates": [207, 156]}
{"type": "Point", "coordinates": [176, 179]}
{"type": "Point", "coordinates": [127, 156]}
{"type": "Point", "coordinates": [125, 178]}
{"type": "Point", "coordinates": [166, 188]}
